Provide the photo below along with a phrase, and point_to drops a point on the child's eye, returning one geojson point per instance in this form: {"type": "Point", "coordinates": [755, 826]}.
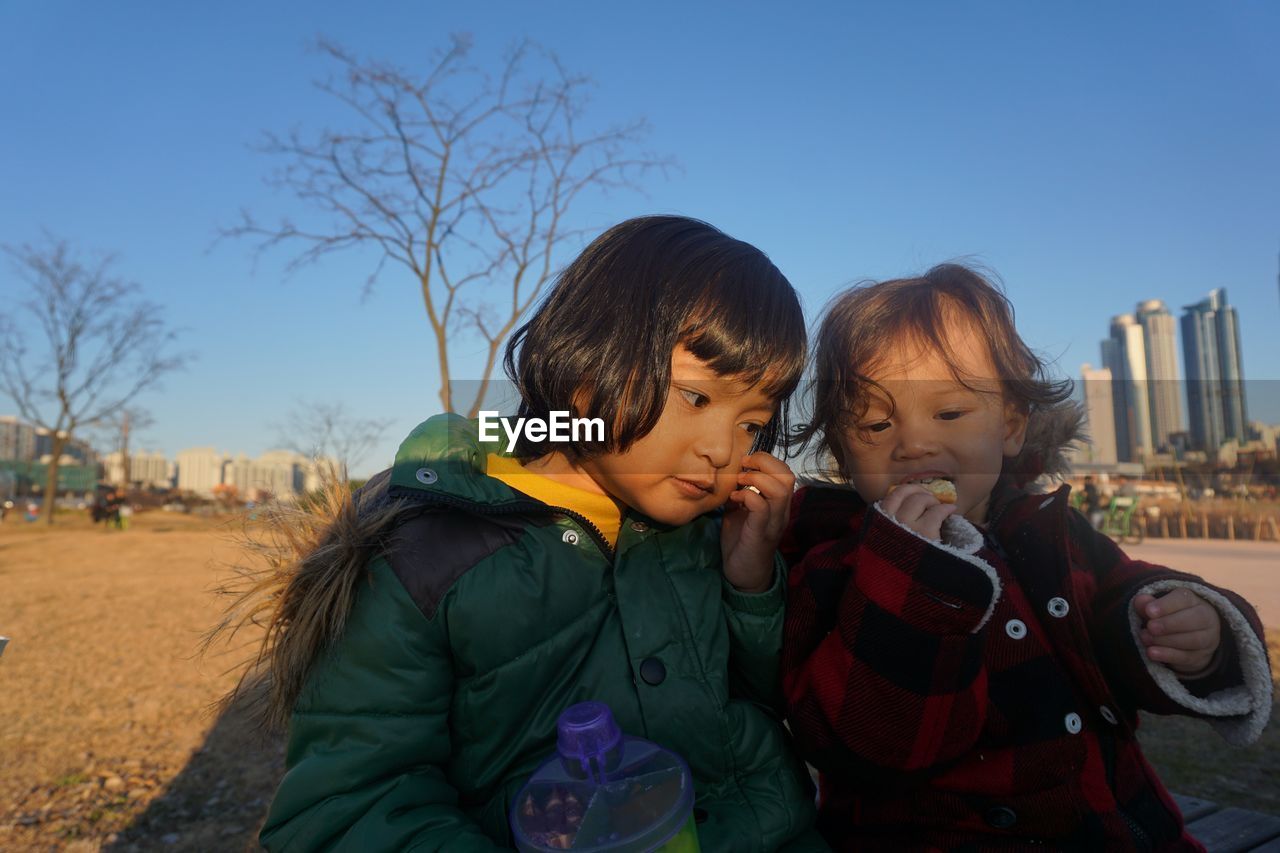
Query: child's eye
{"type": "Point", "coordinates": [695, 398]}
{"type": "Point", "coordinates": [753, 429]}
{"type": "Point", "coordinates": [878, 426]}
{"type": "Point", "coordinates": [951, 416]}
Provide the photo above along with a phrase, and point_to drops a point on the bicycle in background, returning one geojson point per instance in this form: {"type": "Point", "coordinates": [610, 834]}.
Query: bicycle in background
{"type": "Point", "coordinates": [1123, 522]}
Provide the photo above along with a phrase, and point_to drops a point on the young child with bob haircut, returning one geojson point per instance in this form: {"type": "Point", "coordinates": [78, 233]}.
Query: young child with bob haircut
{"type": "Point", "coordinates": [966, 671]}
{"type": "Point", "coordinates": [422, 650]}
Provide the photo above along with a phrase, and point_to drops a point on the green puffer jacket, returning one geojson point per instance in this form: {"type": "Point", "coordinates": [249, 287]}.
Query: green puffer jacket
{"type": "Point", "coordinates": [486, 615]}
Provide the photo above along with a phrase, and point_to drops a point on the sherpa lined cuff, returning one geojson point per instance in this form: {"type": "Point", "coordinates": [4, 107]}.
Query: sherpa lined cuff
{"type": "Point", "coordinates": [908, 565]}
{"type": "Point", "coordinates": [1239, 712]}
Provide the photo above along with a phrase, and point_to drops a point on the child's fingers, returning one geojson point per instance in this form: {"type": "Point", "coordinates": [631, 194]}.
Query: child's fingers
{"type": "Point", "coordinates": [1186, 640]}
{"type": "Point", "coordinates": [930, 522]}
{"type": "Point", "coordinates": [1178, 658]}
{"type": "Point", "coordinates": [891, 504]}
{"type": "Point", "coordinates": [1198, 617]}
{"type": "Point", "coordinates": [768, 464]}
{"type": "Point", "coordinates": [916, 505]}
{"type": "Point", "coordinates": [749, 500]}
{"type": "Point", "coordinates": [770, 475]}
{"type": "Point", "coordinates": [770, 485]}
{"type": "Point", "coordinates": [1171, 602]}
{"type": "Point", "coordinates": [1141, 602]}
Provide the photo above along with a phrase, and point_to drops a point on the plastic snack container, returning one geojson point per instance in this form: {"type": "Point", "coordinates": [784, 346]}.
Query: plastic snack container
{"type": "Point", "coordinates": [604, 791]}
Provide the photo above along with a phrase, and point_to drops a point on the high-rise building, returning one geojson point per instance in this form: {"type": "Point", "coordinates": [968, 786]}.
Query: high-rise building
{"type": "Point", "coordinates": [1215, 372]}
{"type": "Point", "coordinates": [17, 439]}
{"type": "Point", "coordinates": [75, 451]}
{"type": "Point", "coordinates": [152, 470]}
{"type": "Point", "coordinates": [200, 469]}
{"type": "Point", "coordinates": [1099, 416]}
{"type": "Point", "coordinates": [149, 470]}
{"type": "Point", "coordinates": [1164, 393]}
{"type": "Point", "coordinates": [1124, 354]}
{"type": "Point", "coordinates": [277, 472]}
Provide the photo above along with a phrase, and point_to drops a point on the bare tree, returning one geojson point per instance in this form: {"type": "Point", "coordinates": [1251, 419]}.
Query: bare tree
{"type": "Point", "coordinates": [100, 345]}
{"type": "Point", "coordinates": [119, 430]}
{"type": "Point", "coordinates": [462, 178]}
{"type": "Point", "coordinates": [319, 430]}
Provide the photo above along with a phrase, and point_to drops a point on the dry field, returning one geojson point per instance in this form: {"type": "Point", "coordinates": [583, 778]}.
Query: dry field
{"type": "Point", "coordinates": [106, 735]}
{"type": "Point", "coordinates": [107, 740]}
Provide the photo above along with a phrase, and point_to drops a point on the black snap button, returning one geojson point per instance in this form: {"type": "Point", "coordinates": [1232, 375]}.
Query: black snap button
{"type": "Point", "coordinates": [700, 815]}
{"type": "Point", "coordinates": [1000, 817]}
{"type": "Point", "coordinates": [653, 671]}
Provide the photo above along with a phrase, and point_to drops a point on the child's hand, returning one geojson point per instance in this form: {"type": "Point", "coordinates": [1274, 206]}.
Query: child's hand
{"type": "Point", "coordinates": [1182, 630]}
{"type": "Point", "coordinates": [754, 520]}
{"type": "Point", "coordinates": [912, 506]}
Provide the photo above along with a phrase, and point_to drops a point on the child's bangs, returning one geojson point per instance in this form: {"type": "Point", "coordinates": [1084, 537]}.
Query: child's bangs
{"type": "Point", "coordinates": [742, 335]}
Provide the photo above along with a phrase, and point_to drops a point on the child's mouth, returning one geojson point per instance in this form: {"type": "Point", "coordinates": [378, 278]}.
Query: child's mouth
{"type": "Point", "coordinates": [926, 477]}
{"type": "Point", "coordinates": [694, 488]}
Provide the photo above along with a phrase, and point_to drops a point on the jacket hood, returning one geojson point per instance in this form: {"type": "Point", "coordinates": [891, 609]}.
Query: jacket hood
{"type": "Point", "coordinates": [444, 460]}
{"type": "Point", "coordinates": [309, 559]}
{"type": "Point", "coordinates": [1052, 432]}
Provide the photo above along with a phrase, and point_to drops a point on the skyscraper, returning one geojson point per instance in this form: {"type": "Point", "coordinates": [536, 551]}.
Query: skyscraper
{"type": "Point", "coordinates": [1124, 354]}
{"type": "Point", "coordinates": [1163, 388]}
{"type": "Point", "coordinates": [1099, 416]}
{"type": "Point", "coordinates": [1215, 373]}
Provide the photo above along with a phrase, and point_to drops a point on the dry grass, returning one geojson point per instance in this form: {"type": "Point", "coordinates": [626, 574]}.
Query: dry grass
{"type": "Point", "coordinates": [107, 737]}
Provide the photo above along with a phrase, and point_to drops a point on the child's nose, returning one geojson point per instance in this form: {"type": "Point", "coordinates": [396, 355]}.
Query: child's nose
{"type": "Point", "coordinates": [716, 446]}
{"type": "Point", "coordinates": [914, 440]}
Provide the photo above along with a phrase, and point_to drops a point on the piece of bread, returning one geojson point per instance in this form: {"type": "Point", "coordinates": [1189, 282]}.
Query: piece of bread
{"type": "Point", "coordinates": [943, 490]}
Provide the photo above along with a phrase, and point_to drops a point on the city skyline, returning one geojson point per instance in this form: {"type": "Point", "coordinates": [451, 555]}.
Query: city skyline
{"type": "Point", "coordinates": [1140, 386]}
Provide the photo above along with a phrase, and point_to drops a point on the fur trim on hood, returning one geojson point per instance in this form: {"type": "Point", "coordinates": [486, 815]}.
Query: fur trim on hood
{"type": "Point", "coordinates": [1052, 432]}
{"type": "Point", "coordinates": [295, 588]}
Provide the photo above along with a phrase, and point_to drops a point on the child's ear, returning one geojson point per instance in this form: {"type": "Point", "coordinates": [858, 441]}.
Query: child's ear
{"type": "Point", "coordinates": [1015, 429]}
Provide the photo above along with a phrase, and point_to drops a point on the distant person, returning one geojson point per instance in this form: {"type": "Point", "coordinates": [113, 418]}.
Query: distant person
{"type": "Point", "coordinates": [424, 651]}
{"type": "Point", "coordinates": [112, 509]}
{"type": "Point", "coordinates": [964, 659]}
{"type": "Point", "coordinates": [1091, 503]}
{"type": "Point", "coordinates": [1125, 487]}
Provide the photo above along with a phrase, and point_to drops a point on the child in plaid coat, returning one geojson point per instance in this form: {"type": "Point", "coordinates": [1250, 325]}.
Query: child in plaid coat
{"type": "Point", "coordinates": [967, 675]}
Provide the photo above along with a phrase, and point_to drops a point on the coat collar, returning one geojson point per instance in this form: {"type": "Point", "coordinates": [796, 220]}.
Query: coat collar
{"type": "Point", "coordinates": [444, 460]}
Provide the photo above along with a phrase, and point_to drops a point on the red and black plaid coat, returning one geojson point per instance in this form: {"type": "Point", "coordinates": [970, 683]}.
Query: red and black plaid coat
{"type": "Point", "coordinates": [977, 701]}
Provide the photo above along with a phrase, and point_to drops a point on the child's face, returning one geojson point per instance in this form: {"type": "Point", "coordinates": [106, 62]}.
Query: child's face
{"type": "Point", "coordinates": [689, 463]}
{"type": "Point", "coordinates": [936, 426]}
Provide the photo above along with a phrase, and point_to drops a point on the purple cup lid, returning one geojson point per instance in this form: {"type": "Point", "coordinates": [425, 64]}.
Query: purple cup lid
{"type": "Point", "coordinates": [587, 731]}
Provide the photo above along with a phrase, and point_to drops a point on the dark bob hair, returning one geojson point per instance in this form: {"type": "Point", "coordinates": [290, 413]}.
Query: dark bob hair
{"type": "Point", "coordinates": [869, 321]}
{"type": "Point", "coordinates": [600, 344]}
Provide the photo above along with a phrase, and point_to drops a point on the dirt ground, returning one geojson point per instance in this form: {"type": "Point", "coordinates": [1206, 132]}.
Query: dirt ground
{"type": "Point", "coordinates": [107, 741]}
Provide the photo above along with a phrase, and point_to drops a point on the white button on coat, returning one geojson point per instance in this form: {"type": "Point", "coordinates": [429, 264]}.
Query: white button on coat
{"type": "Point", "coordinates": [1058, 607]}
{"type": "Point", "coordinates": [1016, 628]}
{"type": "Point", "coordinates": [426, 476]}
{"type": "Point", "coordinates": [570, 537]}
{"type": "Point", "coordinates": [1108, 714]}
{"type": "Point", "coordinates": [639, 526]}
{"type": "Point", "coordinates": [1073, 724]}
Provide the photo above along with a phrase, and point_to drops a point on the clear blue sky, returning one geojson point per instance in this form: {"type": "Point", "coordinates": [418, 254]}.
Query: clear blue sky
{"type": "Point", "coordinates": [1093, 154]}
